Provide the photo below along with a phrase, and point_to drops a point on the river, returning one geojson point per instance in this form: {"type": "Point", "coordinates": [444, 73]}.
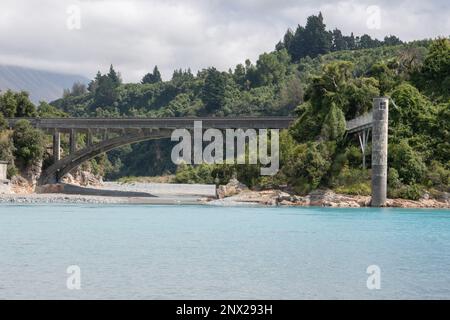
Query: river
{"type": "Point", "coordinates": [208, 252]}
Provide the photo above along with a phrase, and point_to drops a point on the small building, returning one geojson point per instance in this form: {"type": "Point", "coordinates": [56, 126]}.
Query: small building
{"type": "Point", "coordinates": [3, 171]}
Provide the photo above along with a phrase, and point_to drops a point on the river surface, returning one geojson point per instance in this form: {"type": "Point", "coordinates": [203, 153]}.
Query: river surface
{"type": "Point", "coordinates": [205, 252]}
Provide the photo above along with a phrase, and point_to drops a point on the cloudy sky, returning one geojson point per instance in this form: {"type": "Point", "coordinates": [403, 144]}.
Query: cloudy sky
{"type": "Point", "coordinates": [83, 36]}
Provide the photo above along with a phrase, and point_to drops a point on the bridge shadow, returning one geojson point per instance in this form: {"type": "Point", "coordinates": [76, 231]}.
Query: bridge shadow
{"type": "Point", "coordinates": [76, 190]}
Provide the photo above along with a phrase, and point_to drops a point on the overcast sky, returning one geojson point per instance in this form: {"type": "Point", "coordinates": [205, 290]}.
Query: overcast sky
{"type": "Point", "coordinates": [135, 35]}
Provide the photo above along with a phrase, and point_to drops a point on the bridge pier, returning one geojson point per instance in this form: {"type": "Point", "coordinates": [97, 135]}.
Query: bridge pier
{"type": "Point", "coordinates": [89, 141]}
{"type": "Point", "coordinates": [56, 146]}
{"type": "Point", "coordinates": [379, 151]}
{"type": "Point", "coordinates": [73, 141]}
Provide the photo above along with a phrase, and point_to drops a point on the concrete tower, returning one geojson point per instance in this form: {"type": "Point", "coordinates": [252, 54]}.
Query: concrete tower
{"type": "Point", "coordinates": [379, 151]}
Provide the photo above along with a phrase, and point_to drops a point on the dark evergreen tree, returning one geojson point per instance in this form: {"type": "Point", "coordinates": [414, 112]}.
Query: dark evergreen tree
{"type": "Point", "coordinates": [153, 77]}
{"type": "Point", "coordinates": [25, 108]}
{"type": "Point", "coordinates": [392, 41]}
{"type": "Point", "coordinates": [114, 76]}
{"type": "Point", "coordinates": [350, 41]}
{"type": "Point", "coordinates": [312, 40]}
{"type": "Point", "coordinates": [92, 86]}
{"type": "Point", "coordinates": [339, 42]}
{"type": "Point", "coordinates": [213, 92]}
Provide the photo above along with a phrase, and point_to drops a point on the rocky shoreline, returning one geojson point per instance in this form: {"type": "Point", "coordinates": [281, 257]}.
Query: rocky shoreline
{"type": "Point", "coordinates": [237, 193]}
{"type": "Point", "coordinates": [232, 194]}
{"type": "Point", "coordinates": [320, 198]}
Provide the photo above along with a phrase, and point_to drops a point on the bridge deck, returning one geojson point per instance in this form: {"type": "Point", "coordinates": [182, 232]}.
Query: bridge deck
{"type": "Point", "coordinates": [360, 123]}
{"type": "Point", "coordinates": [85, 124]}
{"type": "Point", "coordinates": [62, 124]}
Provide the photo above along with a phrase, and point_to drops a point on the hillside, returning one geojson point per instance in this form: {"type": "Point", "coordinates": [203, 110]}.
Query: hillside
{"type": "Point", "coordinates": [41, 85]}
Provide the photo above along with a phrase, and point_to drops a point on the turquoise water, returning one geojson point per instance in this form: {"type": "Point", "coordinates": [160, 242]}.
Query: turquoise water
{"type": "Point", "coordinates": [200, 252]}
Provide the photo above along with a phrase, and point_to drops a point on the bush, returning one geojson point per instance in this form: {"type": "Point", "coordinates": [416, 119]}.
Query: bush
{"type": "Point", "coordinates": [194, 174]}
{"type": "Point", "coordinates": [306, 165]}
{"type": "Point", "coordinates": [358, 189]}
{"type": "Point", "coordinates": [408, 163]}
{"type": "Point", "coordinates": [3, 123]}
{"type": "Point", "coordinates": [7, 151]}
{"type": "Point", "coordinates": [353, 181]}
{"type": "Point", "coordinates": [411, 192]}
{"type": "Point", "coordinates": [28, 143]}
{"type": "Point", "coordinates": [393, 179]}
{"type": "Point", "coordinates": [438, 176]}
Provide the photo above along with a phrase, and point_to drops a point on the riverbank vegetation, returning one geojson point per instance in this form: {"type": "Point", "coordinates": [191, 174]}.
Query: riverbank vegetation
{"type": "Point", "coordinates": [322, 77]}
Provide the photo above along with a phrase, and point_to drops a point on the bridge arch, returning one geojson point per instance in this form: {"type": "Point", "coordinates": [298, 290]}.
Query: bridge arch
{"type": "Point", "coordinates": [63, 166]}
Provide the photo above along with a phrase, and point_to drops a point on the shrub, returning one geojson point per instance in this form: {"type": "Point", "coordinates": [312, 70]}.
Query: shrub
{"type": "Point", "coordinates": [408, 163]}
{"type": "Point", "coordinates": [359, 189]}
{"type": "Point", "coordinates": [411, 192]}
{"type": "Point", "coordinates": [3, 123]}
{"type": "Point", "coordinates": [28, 143]}
{"type": "Point", "coordinates": [438, 176]}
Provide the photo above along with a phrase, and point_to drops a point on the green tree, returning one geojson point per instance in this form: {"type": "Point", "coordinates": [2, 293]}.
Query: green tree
{"type": "Point", "coordinates": [28, 143]}
{"type": "Point", "coordinates": [392, 41]}
{"type": "Point", "coordinates": [311, 40]}
{"type": "Point", "coordinates": [214, 89]}
{"type": "Point", "coordinates": [434, 75]}
{"type": "Point", "coordinates": [105, 92]}
{"type": "Point", "coordinates": [114, 77]}
{"type": "Point", "coordinates": [271, 67]}
{"type": "Point", "coordinates": [25, 108]}
{"type": "Point", "coordinates": [385, 76]}
{"type": "Point", "coordinates": [412, 113]}
{"type": "Point", "coordinates": [336, 88]}
{"type": "Point", "coordinates": [408, 163]}
{"type": "Point", "coordinates": [8, 104]}
{"type": "Point", "coordinates": [3, 123]}
{"type": "Point", "coordinates": [46, 110]}
{"type": "Point", "coordinates": [334, 124]}
{"type": "Point", "coordinates": [339, 42]}
{"type": "Point", "coordinates": [153, 77]}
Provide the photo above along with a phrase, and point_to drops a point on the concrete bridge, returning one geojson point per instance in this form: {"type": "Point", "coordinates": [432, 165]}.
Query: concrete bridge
{"type": "Point", "coordinates": [105, 134]}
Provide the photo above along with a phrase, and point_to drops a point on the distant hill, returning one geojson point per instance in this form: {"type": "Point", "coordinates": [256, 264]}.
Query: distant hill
{"type": "Point", "coordinates": [42, 85]}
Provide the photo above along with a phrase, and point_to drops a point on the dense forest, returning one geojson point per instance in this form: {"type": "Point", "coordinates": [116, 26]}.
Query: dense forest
{"type": "Point", "coordinates": [322, 77]}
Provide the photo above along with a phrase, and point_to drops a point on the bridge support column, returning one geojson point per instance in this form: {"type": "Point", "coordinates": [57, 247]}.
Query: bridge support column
{"type": "Point", "coordinates": [89, 141]}
{"type": "Point", "coordinates": [73, 141]}
{"type": "Point", "coordinates": [105, 135]}
{"type": "Point", "coordinates": [363, 138]}
{"type": "Point", "coordinates": [379, 151]}
{"type": "Point", "coordinates": [56, 146]}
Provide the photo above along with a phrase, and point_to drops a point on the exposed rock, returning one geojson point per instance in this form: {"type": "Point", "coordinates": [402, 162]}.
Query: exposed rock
{"type": "Point", "coordinates": [21, 185]}
{"type": "Point", "coordinates": [233, 187]}
{"type": "Point", "coordinates": [430, 203]}
{"type": "Point", "coordinates": [69, 179]}
{"type": "Point", "coordinates": [326, 198]}
{"type": "Point", "coordinates": [83, 178]}
{"type": "Point", "coordinates": [31, 172]}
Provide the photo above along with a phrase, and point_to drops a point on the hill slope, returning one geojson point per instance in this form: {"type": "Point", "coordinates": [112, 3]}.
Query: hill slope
{"type": "Point", "coordinates": [42, 85]}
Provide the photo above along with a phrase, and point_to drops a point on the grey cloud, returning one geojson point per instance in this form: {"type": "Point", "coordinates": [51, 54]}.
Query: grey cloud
{"type": "Point", "coordinates": [134, 35]}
